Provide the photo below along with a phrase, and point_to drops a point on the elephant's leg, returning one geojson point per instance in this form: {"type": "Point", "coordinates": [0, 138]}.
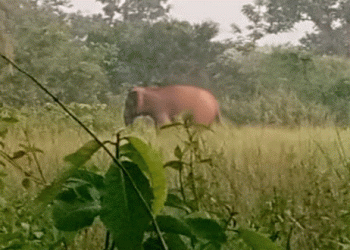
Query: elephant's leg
{"type": "Point", "coordinates": [162, 118]}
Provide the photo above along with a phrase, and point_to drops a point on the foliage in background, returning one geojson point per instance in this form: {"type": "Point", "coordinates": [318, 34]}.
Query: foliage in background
{"type": "Point", "coordinates": [330, 17]}
{"type": "Point", "coordinates": [86, 59]}
{"type": "Point", "coordinates": [132, 10]}
{"type": "Point", "coordinates": [283, 86]}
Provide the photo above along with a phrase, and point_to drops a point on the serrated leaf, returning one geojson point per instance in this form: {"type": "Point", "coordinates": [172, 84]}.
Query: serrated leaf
{"type": "Point", "coordinates": [257, 241]}
{"type": "Point", "coordinates": [123, 212]}
{"type": "Point", "coordinates": [18, 154]}
{"type": "Point", "coordinates": [177, 165]}
{"type": "Point", "coordinates": [150, 162]}
{"type": "Point", "coordinates": [83, 154]}
{"type": "Point", "coordinates": [207, 229]}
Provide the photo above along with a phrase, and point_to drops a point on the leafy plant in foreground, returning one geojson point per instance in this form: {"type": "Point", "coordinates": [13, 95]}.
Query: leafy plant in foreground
{"type": "Point", "coordinates": [209, 233]}
{"type": "Point", "coordinates": [86, 195]}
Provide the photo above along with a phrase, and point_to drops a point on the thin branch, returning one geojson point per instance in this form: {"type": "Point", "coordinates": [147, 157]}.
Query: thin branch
{"type": "Point", "coordinates": [40, 170]}
{"type": "Point", "coordinates": [115, 160]}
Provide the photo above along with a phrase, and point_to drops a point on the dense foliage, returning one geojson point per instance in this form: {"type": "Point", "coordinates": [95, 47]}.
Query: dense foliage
{"type": "Point", "coordinates": [330, 17]}
{"type": "Point", "coordinates": [88, 59]}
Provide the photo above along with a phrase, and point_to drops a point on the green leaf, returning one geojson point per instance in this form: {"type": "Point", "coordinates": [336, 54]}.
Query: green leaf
{"type": "Point", "coordinates": [150, 162]}
{"type": "Point", "coordinates": [6, 237]}
{"type": "Point", "coordinates": [26, 183]}
{"type": "Point", "coordinates": [177, 152]}
{"type": "Point", "coordinates": [173, 241]}
{"type": "Point", "coordinates": [177, 165]}
{"type": "Point", "coordinates": [257, 241]}
{"type": "Point", "coordinates": [18, 154]}
{"type": "Point", "coordinates": [170, 224]}
{"type": "Point", "coordinates": [83, 154]}
{"type": "Point", "coordinates": [207, 229]}
{"type": "Point", "coordinates": [174, 201]}
{"type": "Point", "coordinates": [123, 212]}
{"type": "Point", "coordinates": [72, 216]}
{"type": "Point", "coordinates": [78, 205]}
{"type": "Point", "coordinates": [210, 246]}
{"type": "Point", "coordinates": [49, 193]}
{"type": "Point", "coordinates": [9, 120]}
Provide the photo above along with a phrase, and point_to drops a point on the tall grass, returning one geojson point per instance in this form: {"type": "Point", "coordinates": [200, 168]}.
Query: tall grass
{"type": "Point", "coordinates": [291, 184]}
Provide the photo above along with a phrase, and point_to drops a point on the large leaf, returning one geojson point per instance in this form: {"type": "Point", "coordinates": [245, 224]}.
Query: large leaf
{"type": "Point", "coordinates": [257, 241]}
{"type": "Point", "coordinates": [174, 201]}
{"type": "Point", "coordinates": [173, 241]}
{"type": "Point", "coordinates": [169, 224]}
{"type": "Point", "coordinates": [75, 214]}
{"type": "Point", "coordinates": [123, 212]}
{"type": "Point", "coordinates": [150, 162]}
{"type": "Point", "coordinates": [207, 229]}
{"type": "Point", "coordinates": [78, 205]}
{"type": "Point", "coordinates": [47, 195]}
{"type": "Point", "coordinates": [83, 154]}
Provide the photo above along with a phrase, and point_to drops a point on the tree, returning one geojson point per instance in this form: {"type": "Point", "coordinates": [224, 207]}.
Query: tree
{"type": "Point", "coordinates": [8, 9]}
{"type": "Point", "coordinates": [163, 52]}
{"type": "Point", "coordinates": [331, 19]}
{"type": "Point", "coordinates": [48, 48]}
{"type": "Point", "coordinates": [135, 10]}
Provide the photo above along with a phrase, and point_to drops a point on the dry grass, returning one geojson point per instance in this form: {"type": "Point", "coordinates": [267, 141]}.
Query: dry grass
{"type": "Point", "coordinates": [297, 175]}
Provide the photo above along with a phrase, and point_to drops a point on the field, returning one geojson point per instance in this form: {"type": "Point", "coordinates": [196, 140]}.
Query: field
{"type": "Point", "coordinates": [290, 184]}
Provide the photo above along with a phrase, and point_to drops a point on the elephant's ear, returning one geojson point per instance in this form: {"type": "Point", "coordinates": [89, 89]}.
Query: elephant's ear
{"type": "Point", "coordinates": [130, 111]}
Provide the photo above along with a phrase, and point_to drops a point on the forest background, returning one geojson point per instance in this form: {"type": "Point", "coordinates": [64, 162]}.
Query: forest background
{"type": "Point", "coordinates": [91, 59]}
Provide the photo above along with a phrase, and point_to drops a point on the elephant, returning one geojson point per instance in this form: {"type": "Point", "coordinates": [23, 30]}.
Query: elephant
{"type": "Point", "coordinates": [164, 104]}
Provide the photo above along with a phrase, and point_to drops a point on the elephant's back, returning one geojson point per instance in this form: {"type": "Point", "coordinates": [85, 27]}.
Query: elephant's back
{"type": "Point", "coordinates": [202, 102]}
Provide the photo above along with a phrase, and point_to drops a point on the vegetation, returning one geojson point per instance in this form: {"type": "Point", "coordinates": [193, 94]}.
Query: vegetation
{"type": "Point", "coordinates": [330, 17]}
{"type": "Point", "coordinates": [286, 184]}
{"type": "Point", "coordinates": [276, 178]}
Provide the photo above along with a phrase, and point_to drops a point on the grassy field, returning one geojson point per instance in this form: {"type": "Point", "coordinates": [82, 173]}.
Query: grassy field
{"type": "Point", "coordinates": [290, 184]}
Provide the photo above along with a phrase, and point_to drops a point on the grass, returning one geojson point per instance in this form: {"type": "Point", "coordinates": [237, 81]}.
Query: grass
{"type": "Point", "coordinates": [291, 184]}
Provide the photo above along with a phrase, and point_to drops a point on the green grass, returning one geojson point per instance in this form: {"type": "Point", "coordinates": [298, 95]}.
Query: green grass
{"type": "Point", "coordinates": [291, 184]}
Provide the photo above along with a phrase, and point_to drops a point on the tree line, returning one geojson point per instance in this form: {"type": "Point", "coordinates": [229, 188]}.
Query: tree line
{"type": "Point", "coordinates": [88, 59]}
